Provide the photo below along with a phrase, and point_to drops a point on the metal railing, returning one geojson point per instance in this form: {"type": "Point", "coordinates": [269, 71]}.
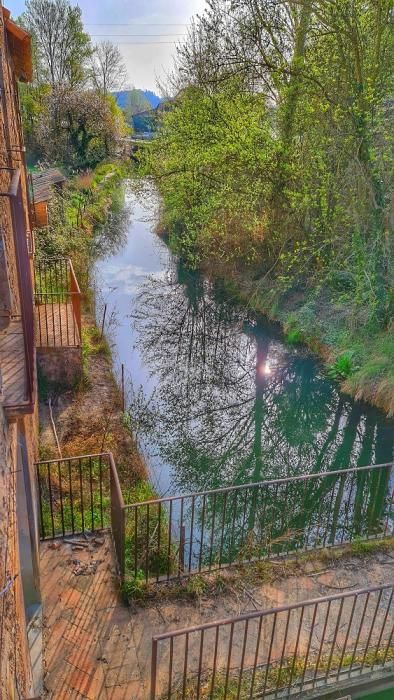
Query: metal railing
{"type": "Point", "coordinates": [329, 641]}
{"type": "Point", "coordinates": [181, 535]}
{"type": "Point", "coordinates": [58, 303]}
{"type": "Point", "coordinates": [77, 495]}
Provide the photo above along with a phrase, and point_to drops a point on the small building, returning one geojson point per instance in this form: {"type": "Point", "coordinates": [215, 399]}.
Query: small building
{"type": "Point", "coordinates": [43, 184]}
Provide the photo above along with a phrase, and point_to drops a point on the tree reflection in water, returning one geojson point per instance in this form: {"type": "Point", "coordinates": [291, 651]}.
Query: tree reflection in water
{"type": "Point", "coordinates": [235, 405]}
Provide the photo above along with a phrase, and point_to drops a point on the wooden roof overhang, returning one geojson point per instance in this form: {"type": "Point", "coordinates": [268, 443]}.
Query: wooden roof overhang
{"type": "Point", "coordinates": [19, 42]}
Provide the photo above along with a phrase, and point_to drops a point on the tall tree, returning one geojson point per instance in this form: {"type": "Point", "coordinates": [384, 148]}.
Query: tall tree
{"type": "Point", "coordinates": [108, 70]}
{"type": "Point", "coordinates": [63, 48]}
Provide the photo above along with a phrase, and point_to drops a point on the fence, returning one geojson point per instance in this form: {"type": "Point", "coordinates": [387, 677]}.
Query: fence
{"type": "Point", "coordinates": [280, 652]}
{"type": "Point", "coordinates": [58, 303]}
{"type": "Point", "coordinates": [181, 535]}
{"type": "Point", "coordinates": [76, 495]}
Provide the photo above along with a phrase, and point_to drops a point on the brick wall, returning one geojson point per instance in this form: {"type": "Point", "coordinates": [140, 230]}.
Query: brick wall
{"type": "Point", "coordinates": [15, 670]}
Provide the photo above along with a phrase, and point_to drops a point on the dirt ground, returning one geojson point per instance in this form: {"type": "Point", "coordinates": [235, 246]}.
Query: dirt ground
{"type": "Point", "coordinates": [96, 647]}
{"type": "Point", "coordinates": [88, 418]}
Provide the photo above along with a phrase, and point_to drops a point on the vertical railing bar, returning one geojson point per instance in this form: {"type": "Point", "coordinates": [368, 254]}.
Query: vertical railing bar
{"type": "Point", "coordinates": [101, 488]}
{"type": "Point", "coordinates": [244, 518]}
{"type": "Point", "coordinates": [282, 657]}
{"type": "Point", "coordinates": [383, 627]}
{"type": "Point", "coordinates": [371, 629]}
{"type": "Point", "coordinates": [359, 633]}
{"type": "Point", "coordinates": [81, 492]}
{"type": "Point", "coordinates": [185, 663]}
{"type": "Point", "coordinates": [329, 513]}
{"type": "Point", "coordinates": [52, 306]}
{"type": "Point", "coordinates": [212, 530]}
{"type": "Point", "coordinates": [135, 540]}
{"type": "Point", "coordinates": [388, 646]}
{"type": "Point", "coordinates": [50, 499]}
{"type": "Point", "coordinates": [170, 669]}
{"type": "Point", "coordinates": [323, 637]}
{"type": "Point", "coordinates": [308, 649]}
{"type": "Point", "coordinates": [40, 502]}
{"type": "Point", "coordinates": [169, 542]}
{"type": "Point", "coordinates": [191, 534]}
{"type": "Point", "coordinates": [296, 646]}
{"type": "Point", "coordinates": [242, 658]}
{"type": "Point", "coordinates": [71, 496]}
{"type": "Point", "coordinates": [158, 540]}
{"type": "Point", "coordinates": [200, 663]}
{"type": "Point", "coordinates": [202, 532]}
{"type": "Point", "coordinates": [91, 492]}
{"type": "Point", "coordinates": [61, 496]}
{"type": "Point", "coordinates": [256, 655]}
{"type": "Point", "coordinates": [347, 511]}
{"type": "Point", "coordinates": [230, 649]}
{"type": "Point", "coordinates": [222, 530]}
{"type": "Point", "coordinates": [350, 622]}
{"type": "Point", "coordinates": [233, 526]}
{"type": "Point", "coordinates": [215, 657]}
{"type": "Point", "coordinates": [339, 615]}
{"type": "Point", "coordinates": [59, 301]}
{"type": "Point", "coordinates": [181, 551]}
{"type": "Point", "coordinates": [153, 670]}
{"type": "Point", "coordinates": [147, 543]}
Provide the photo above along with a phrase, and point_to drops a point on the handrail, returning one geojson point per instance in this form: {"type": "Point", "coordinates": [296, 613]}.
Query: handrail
{"type": "Point", "coordinates": [58, 303]}
{"type": "Point", "coordinates": [331, 641]}
{"type": "Point", "coordinates": [270, 482]}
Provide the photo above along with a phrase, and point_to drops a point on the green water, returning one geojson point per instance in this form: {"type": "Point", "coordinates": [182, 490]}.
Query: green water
{"type": "Point", "coordinates": [217, 397]}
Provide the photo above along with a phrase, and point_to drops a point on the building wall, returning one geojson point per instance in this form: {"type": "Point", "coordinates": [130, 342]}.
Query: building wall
{"type": "Point", "coordinates": [15, 666]}
{"type": "Point", "coordinates": [41, 214]}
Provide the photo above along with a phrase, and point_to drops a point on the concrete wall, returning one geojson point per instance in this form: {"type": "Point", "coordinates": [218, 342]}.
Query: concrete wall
{"type": "Point", "coordinates": [61, 366]}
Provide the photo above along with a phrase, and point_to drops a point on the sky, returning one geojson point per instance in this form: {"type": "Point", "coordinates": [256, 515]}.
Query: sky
{"type": "Point", "coordinates": [145, 31]}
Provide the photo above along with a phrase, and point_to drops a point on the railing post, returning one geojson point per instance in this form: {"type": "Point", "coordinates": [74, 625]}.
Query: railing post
{"type": "Point", "coordinates": [153, 670]}
{"type": "Point", "coordinates": [117, 515]}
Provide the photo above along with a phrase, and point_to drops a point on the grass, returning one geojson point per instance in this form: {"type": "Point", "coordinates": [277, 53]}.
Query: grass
{"type": "Point", "coordinates": [222, 582]}
{"type": "Point", "coordinates": [282, 675]}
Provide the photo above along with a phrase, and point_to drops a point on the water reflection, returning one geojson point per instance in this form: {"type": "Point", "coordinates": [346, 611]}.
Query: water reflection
{"type": "Point", "coordinates": [233, 403]}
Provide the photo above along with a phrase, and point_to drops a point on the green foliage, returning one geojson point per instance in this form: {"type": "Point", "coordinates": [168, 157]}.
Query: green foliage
{"type": "Point", "coordinates": [291, 181]}
{"type": "Point", "coordinates": [293, 336]}
{"type": "Point", "coordinates": [343, 366]}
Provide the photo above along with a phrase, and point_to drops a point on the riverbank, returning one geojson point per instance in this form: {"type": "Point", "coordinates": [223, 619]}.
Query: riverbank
{"type": "Point", "coordinates": [361, 362]}
{"type": "Point", "coordinates": [89, 417]}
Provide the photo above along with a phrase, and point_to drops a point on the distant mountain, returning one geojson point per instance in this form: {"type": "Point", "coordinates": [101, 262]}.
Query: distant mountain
{"type": "Point", "coordinates": [146, 98]}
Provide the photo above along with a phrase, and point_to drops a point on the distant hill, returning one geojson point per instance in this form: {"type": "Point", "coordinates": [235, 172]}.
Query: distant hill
{"type": "Point", "coordinates": [146, 98]}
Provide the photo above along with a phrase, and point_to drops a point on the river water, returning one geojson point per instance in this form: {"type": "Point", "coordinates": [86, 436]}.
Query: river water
{"type": "Point", "coordinates": [215, 394]}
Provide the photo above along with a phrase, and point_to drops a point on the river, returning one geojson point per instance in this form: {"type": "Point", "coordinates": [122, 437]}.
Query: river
{"type": "Point", "coordinates": [216, 396]}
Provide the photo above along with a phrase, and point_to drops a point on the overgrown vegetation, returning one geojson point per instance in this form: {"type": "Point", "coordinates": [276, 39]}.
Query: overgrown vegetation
{"type": "Point", "coordinates": [275, 166]}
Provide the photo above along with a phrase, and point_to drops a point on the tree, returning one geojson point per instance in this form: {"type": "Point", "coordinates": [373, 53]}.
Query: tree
{"type": "Point", "coordinates": [80, 127]}
{"type": "Point", "coordinates": [108, 71]}
{"type": "Point", "coordinates": [62, 46]}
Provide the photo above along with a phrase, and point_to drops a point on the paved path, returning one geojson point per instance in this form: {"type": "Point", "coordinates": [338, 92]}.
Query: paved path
{"type": "Point", "coordinates": [97, 648]}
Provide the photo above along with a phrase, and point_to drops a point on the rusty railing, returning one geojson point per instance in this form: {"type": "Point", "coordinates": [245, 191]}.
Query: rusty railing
{"type": "Point", "coordinates": [181, 535]}
{"type": "Point", "coordinates": [74, 495]}
{"type": "Point", "coordinates": [334, 640]}
{"type": "Point", "coordinates": [58, 303]}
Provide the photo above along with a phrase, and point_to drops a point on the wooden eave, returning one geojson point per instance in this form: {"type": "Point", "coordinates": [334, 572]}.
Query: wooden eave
{"type": "Point", "coordinates": [19, 42]}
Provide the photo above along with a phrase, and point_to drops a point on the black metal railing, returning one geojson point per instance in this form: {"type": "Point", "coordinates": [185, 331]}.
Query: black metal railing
{"type": "Point", "coordinates": [330, 641]}
{"type": "Point", "coordinates": [58, 303]}
{"type": "Point", "coordinates": [75, 494]}
{"type": "Point", "coordinates": [182, 535]}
